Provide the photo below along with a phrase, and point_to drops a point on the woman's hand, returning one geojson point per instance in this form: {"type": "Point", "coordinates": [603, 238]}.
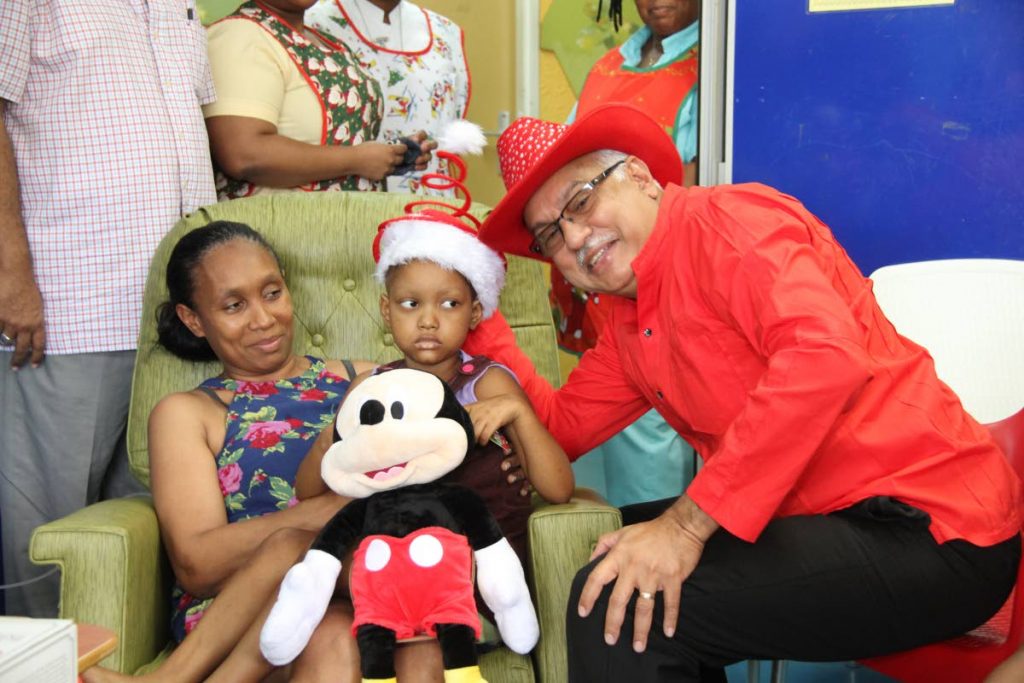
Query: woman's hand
{"type": "Point", "coordinates": [378, 159]}
{"type": "Point", "coordinates": [491, 414]}
{"type": "Point", "coordinates": [427, 146]}
{"type": "Point", "coordinates": [319, 510]}
{"type": "Point", "coordinates": [647, 558]}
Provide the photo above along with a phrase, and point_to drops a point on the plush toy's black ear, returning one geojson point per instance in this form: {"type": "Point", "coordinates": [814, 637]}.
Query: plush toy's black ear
{"type": "Point", "coordinates": [453, 410]}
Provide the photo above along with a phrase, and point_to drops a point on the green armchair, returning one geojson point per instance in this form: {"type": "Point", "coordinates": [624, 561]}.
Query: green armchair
{"type": "Point", "coordinates": [114, 572]}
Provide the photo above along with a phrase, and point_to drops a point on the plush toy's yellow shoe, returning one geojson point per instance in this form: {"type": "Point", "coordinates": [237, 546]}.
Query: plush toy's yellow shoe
{"type": "Point", "coordinates": [467, 674]}
{"type": "Point", "coordinates": [380, 680]}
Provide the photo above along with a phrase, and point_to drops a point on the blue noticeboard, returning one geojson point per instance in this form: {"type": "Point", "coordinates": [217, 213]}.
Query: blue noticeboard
{"type": "Point", "coordinates": [903, 129]}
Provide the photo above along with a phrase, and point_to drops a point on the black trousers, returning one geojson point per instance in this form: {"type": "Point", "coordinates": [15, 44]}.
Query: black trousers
{"type": "Point", "coordinates": [862, 582]}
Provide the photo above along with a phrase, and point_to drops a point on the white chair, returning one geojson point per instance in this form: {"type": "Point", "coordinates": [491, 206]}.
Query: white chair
{"type": "Point", "coordinates": [969, 314]}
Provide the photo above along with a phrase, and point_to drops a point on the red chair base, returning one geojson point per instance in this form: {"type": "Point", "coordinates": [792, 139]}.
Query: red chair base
{"type": "Point", "coordinates": [971, 658]}
{"type": "Point", "coordinates": [968, 659]}
{"type": "Point", "coordinates": [946, 662]}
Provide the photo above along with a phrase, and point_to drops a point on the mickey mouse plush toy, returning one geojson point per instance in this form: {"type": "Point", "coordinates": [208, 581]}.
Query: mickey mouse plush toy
{"type": "Point", "coordinates": [396, 434]}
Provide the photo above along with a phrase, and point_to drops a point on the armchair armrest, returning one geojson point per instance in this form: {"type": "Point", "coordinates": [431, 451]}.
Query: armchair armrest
{"type": "Point", "coordinates": [113, 574]}
{"type": "Point", "coordinates": [561, 538]}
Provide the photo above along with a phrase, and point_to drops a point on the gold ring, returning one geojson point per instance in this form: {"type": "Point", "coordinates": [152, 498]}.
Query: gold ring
{"type": "Point", "coordinates": [646, 596]}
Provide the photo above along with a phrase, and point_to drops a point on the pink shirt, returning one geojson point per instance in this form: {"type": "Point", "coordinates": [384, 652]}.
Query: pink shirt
{"type": "Point", "coordinates": [103, 112]}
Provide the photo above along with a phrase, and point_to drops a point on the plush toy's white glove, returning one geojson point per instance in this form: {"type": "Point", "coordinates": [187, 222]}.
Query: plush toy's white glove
{"type": "Point", "coordinates": [301, 603]}
{"type": "Point", "coordinates": [499, 575]}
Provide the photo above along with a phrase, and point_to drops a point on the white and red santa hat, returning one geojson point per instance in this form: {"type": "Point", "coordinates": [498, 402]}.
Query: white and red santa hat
{"type": "Point", "coordinates": [445, 234]}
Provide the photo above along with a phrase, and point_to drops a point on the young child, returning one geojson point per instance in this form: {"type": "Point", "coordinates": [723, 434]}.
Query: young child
{"type": "Point", "coordinates": [440, 281]}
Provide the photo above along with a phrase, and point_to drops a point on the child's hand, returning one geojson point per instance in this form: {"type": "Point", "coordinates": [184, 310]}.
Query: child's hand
{"type": "Point", "coordinates": [491, 414]}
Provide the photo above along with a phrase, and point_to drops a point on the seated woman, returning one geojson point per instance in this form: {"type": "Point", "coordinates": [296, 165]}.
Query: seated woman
{"type": "Point", "coordinates": [294, 109]}
{"type": "Point", "coordinates": [224, 458]}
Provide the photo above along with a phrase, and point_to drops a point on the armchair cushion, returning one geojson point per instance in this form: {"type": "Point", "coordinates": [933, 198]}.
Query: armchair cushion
{"type": "Point", "coordinates": [113, 574]}
{"type": "Point", "coordinates": [561, 538]}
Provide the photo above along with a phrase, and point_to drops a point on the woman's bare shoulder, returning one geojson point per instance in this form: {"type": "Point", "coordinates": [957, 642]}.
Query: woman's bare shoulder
{"type": "Point", "coordinates": [338, 367]}
{"type": "Point", "coordinates": [185, 424]}
{"type": "Point", "coordinates": [183, 407]}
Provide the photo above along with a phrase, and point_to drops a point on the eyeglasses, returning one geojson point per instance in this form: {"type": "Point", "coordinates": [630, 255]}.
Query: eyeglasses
{"type": "Point", "coordinates": [549, 239]}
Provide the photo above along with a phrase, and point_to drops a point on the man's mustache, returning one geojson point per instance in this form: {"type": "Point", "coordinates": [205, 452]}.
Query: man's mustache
{"type": "Point", "coordinates": [594, 242]}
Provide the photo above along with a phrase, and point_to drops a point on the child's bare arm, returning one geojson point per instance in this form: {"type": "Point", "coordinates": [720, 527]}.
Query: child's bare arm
{"type": "Point", "coordinates": [308, 482]}
{"type": "Point", "coordinates": [502, 403]}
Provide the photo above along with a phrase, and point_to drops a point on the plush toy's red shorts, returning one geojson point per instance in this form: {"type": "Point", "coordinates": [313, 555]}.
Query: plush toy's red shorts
{"type": "Point", "coordinates": [410, 584]}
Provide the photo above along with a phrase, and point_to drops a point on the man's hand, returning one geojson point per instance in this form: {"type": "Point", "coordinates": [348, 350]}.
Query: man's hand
{"type": "Point", "coordinates": [515, 475]}
{"type": "Point", "coordinates": [21, 316]}
{"type": "Point", "coordinates": [647, 558]}
{"type": "Point", "coordinates": [21, 304]}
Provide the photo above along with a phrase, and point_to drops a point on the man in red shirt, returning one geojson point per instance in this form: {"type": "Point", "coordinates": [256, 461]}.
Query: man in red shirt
{"type": "Point", "coordinates": [848, 505]}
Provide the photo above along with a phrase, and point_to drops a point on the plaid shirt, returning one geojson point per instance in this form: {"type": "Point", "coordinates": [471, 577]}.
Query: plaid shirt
{"type": "Point", "coordinates": [103, 112]}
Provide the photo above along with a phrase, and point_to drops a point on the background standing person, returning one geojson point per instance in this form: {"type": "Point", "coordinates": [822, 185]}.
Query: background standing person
{"type": "Point", "coordinates": [102, 150]}
{"type": "Point", "coordinates": [418, 58]}
{"type": "Point", "coordinates": [655, 70]}
{"type": "Point", "coordinates": [294, 109]}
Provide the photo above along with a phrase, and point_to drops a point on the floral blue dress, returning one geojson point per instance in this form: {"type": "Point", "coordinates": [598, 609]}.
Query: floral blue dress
{"type": "Point", "coordinates": [270, 426]}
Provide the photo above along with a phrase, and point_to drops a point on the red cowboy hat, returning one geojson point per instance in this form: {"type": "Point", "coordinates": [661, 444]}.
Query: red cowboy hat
{"type": "Point", "coordinates": [531, 150]}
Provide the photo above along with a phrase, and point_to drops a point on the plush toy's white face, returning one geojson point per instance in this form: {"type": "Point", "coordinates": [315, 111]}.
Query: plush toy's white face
{"type": "Point", "coordinates": [393, 432]}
